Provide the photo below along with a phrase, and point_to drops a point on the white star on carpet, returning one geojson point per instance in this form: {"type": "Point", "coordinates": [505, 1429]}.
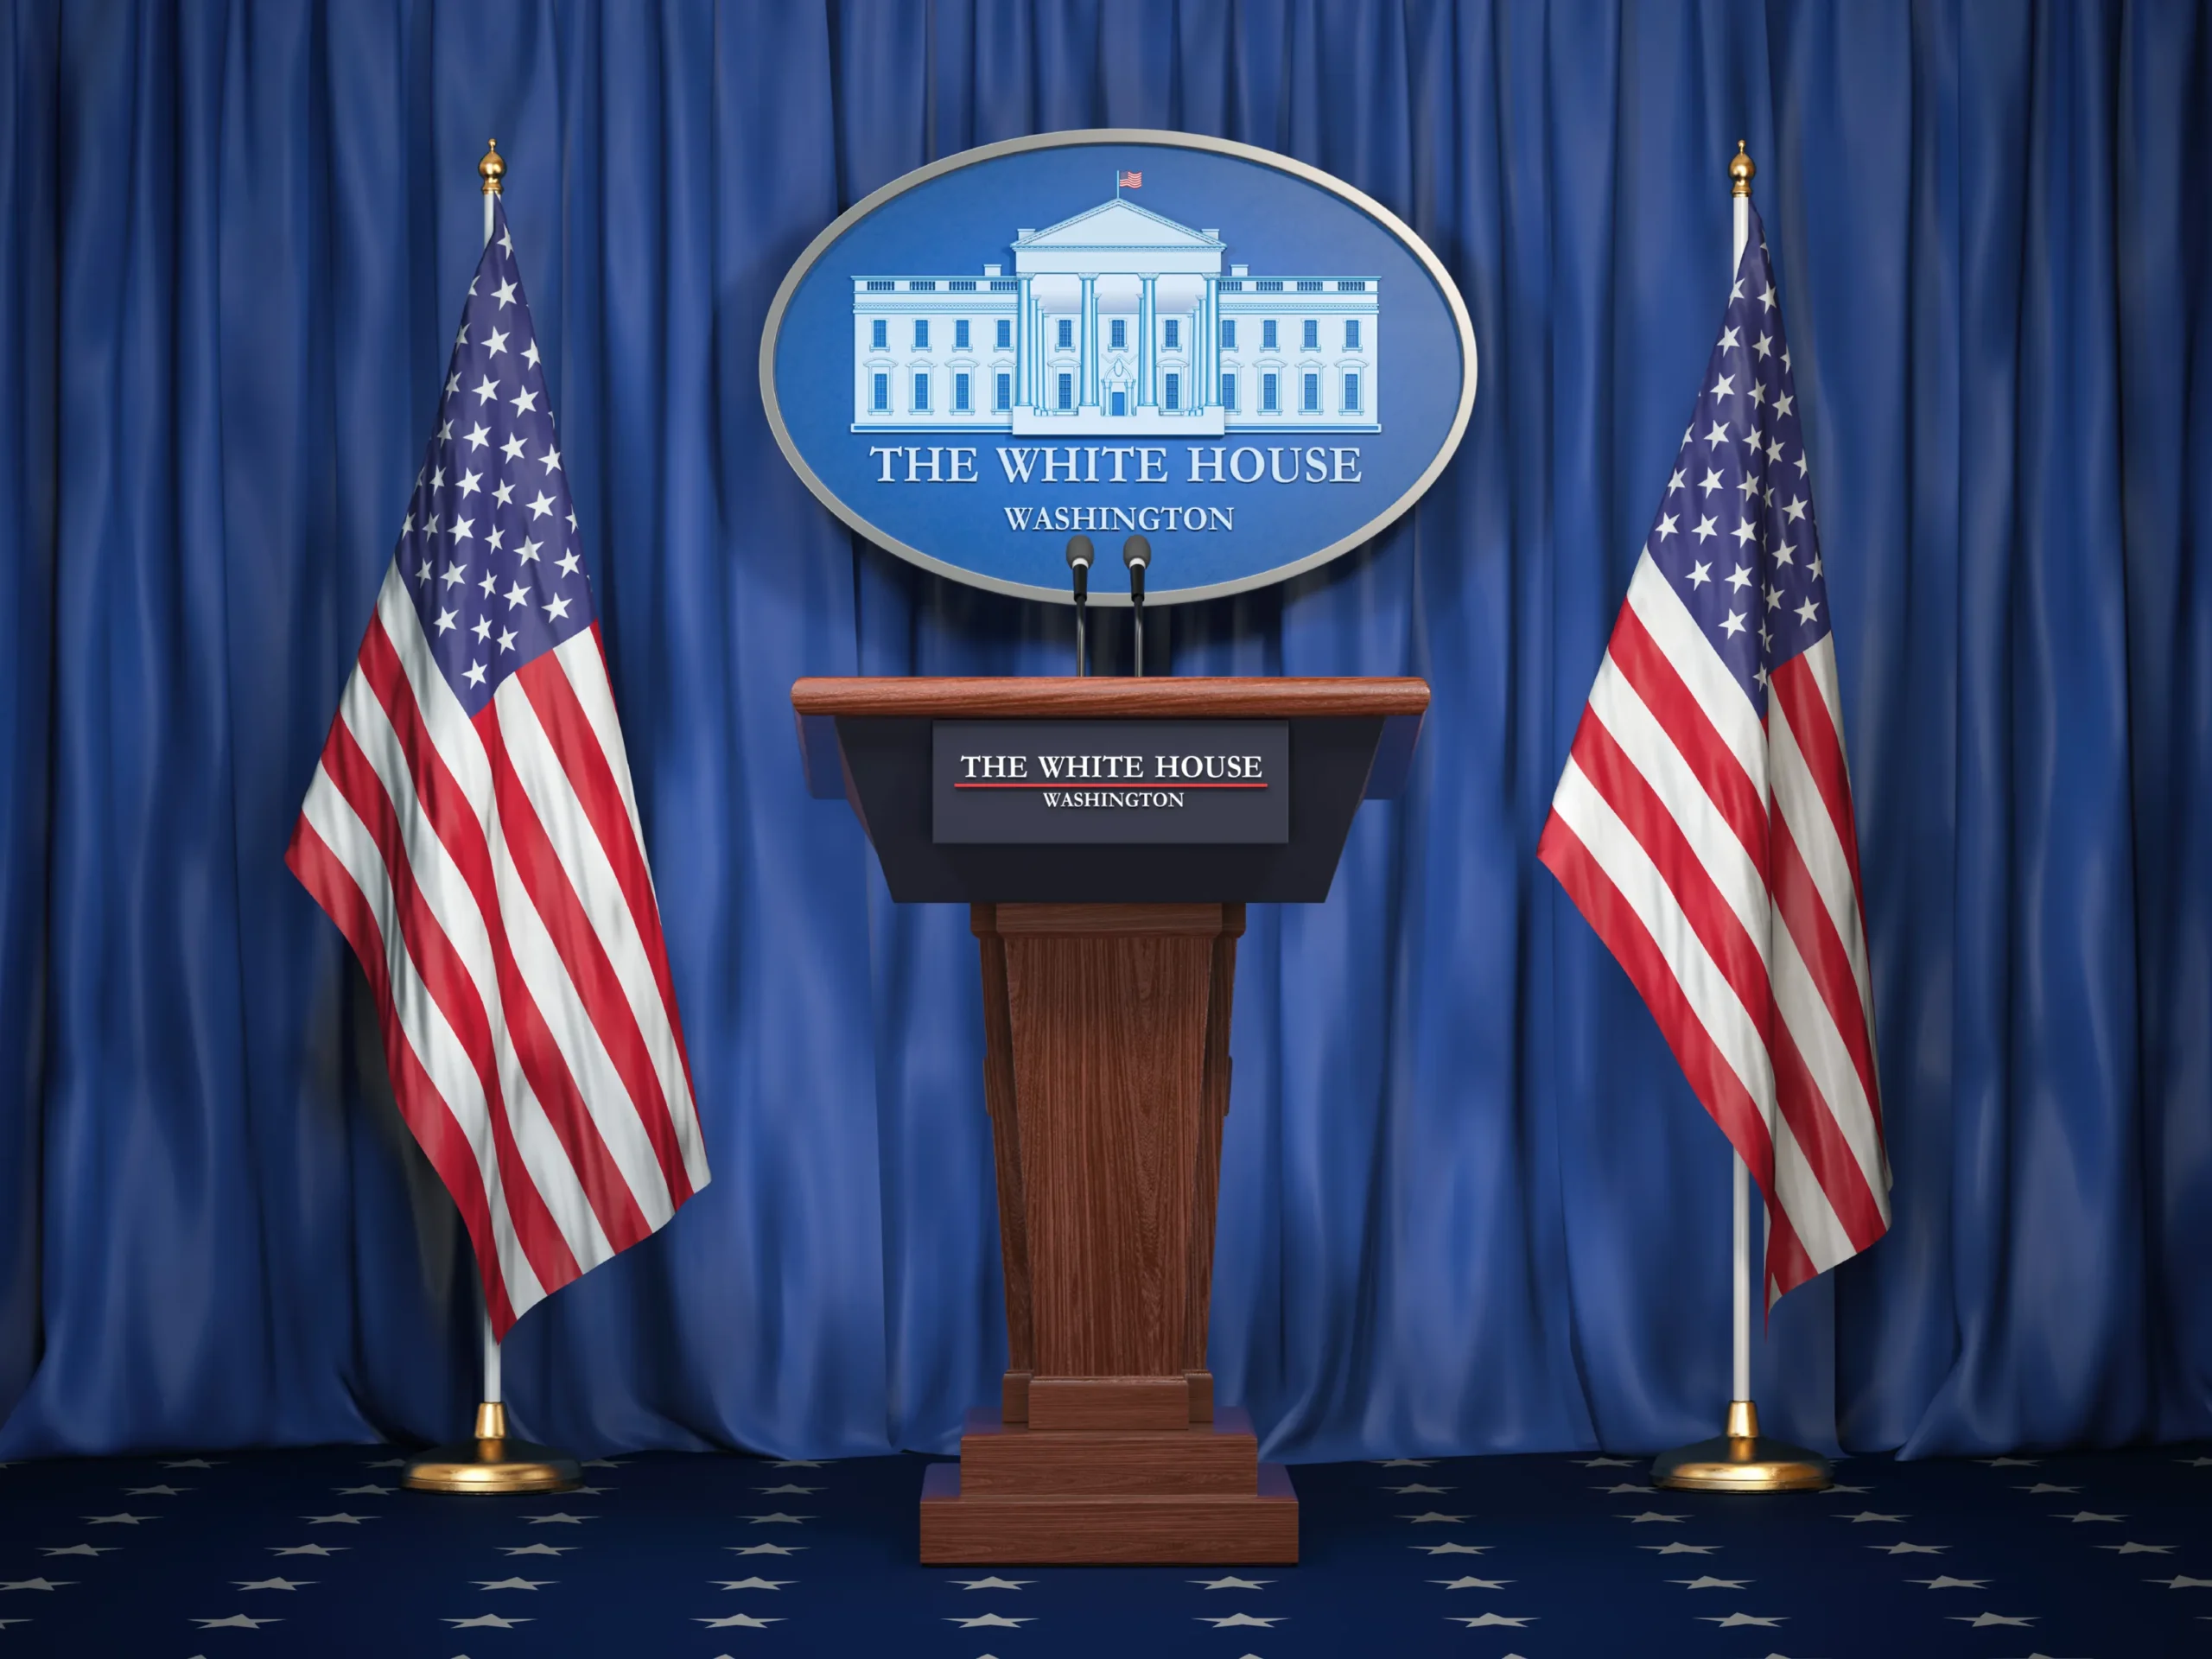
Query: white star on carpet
{"type": "Point", "coordinates": [155, 1491]}
{"type": "Point", "coordinates": [365, 1491]}
{"type": "Point", "coordinates": [560, 1517]}
{"type": "Point", "coordinates": [1679, 1549]}
{"type": "Point", "coordinates": [1734, 1620]}
{"type": "Point", "coordinates": [779, 1518]}
{"type": "Point", "coordinates": [341, 1519]}
{"type": "Point", "coordinates": [1405, 1463]}
{"type": "Point", "coordinates": [270, 1583]}
{"type": "Point", "coordinates": [755, 1583]}
{"type": "Point", "coordinates": [1237, 1620]}
{"type": "Point", "coordinates": [126, 1519]}
{"type": "Point", "coordinates": [93, 1550]}
{"type": "Point", "coordinates": [485, 1621]}
{"type": "Point", "coordinates": [990, 1621]}
{"type": "Point", "coordinates": [2010, 1462]}
{"type": "Point", "coordinates": [235, 1622]}
{"type": "Point", "coordinates": [1432, 1516]}
{"type": "Point", "coordinates": [1606, 1462]}
{"type": "Point", "coordinates": [513, 1584]}
{"type": "Point", "coordinates": [1229, 1583]}
{"type": "Point", "coordinates": [741, 1621]}
{"type": "Point", "coordinates": [34, 1584]}
{"type": "Point", "coordinates": [306, 1549]}
{"type": "Point", "coordinates": [799, 1491]}
{"type": "Point", "coordinates": [1454, 1549]}
{"type": "Point", "coordinates": [764, 1549]}
{"type": "Point", "coordinates": [1480, 1621]}
{"type": "Point", "coordinates": [2088, 1515]}
{"type": "Point", "coordinates": [2182, 1582]}
{"type": "Point", "coordinates": [1472, 1584]}
{"type": "Point", "coordinates": [1910, 1549]}
{"type": "Point", "coordinates": [191, 1462]}
{"type": "Point", "coordinates": [535, 1549]}
{"type": "Point", "coordinates": [1654, 1515]}
{"type": "Point", "coordinates": [1944, 1581]}
{"type": "Point", "coordinates": [2043, 1486]}
{"type": "Point", "coordinates": [1708, 1582]}
{"type": "Point", "coordinates": [2139, 1549]}
{"type": "Point", "coordinates": [1980, 1621]}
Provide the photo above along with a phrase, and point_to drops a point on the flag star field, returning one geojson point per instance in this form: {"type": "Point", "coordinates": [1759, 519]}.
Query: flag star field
{"type": "Point", "coordinates": [489, 545]}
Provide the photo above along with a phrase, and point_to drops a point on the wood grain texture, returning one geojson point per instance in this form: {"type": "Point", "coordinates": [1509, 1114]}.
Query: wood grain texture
{"type": "Point", "coordinates": [1006, 1152]}
{"type": "Point", "coordinates": [1106, 1032]}
{"type": "Point", "coordinates": [1258, 1528]}
{"type": "Point", "coordinates": [1108, 697]}
{"type": "Point", "coordinates": [1109, 1037]}
{"type": "Point", "coordinates": [1002, 1458]}
{"type": "Point", "coordinates": [1104, 1402]}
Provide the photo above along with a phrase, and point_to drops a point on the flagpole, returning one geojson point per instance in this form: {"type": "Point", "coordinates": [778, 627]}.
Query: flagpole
{"type": "Point", "coordinates": [491, 1462]}
{"type": "Point", "coordinates": [1741, 1459]}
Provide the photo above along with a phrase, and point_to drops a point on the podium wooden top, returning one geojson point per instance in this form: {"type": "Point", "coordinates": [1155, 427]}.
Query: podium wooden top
{"type": "Point", "coordinates": [1109, 696]}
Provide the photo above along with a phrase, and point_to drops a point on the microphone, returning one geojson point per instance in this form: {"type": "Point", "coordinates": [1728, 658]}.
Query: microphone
{"type": "Point", "coordinates": [1079, 556]}
{"type": "Point", "coordinates": [1136, 553]}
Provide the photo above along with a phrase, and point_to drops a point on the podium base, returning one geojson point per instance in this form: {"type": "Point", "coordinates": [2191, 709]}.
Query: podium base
{"type": "Point", "coordinates": [1191, 1495]}
{"type": "Point", "coordinates": [1258, 1528]}
{"type": "Point", "coordinates": [492, 1462]}
{"type": "Point", "coordinates": [1742, 1460]}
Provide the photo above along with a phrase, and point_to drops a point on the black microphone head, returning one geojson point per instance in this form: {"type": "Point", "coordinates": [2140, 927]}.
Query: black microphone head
{"type": "Point", "coordinates": [1136, 552]}
{"type": "Point", "coordinates": [1078, 552]}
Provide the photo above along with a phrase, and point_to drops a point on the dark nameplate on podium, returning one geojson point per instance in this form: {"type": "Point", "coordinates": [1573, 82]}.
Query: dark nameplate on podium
{"type": "Point", "coordinates": [1109, 959]}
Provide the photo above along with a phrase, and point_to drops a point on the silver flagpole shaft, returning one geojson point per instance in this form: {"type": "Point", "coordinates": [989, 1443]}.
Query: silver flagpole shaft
{"type": "Point", "coordinates": [1742, 1370]}
{"type": "Point", "coordinates": [1741, 1459]}
{"type": "Point", "coordinates": [1740, 204]}
{"type": "Point", "coordinates": [492, 1395]}
{"type": "Point", "coordinates": [492, 169]}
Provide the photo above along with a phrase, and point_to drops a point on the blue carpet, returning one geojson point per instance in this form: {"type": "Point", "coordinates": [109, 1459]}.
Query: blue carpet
{"type": "Point", "coordinates": [2095, 1556]}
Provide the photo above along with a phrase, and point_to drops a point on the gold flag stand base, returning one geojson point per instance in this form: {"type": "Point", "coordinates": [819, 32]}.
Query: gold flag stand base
{"type": "Point", "coordinates": [492, 1462]}
{"type": "Point", "coordinates": [1742, 1460]}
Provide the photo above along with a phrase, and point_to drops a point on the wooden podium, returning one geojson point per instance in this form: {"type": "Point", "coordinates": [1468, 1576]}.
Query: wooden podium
{"type": "Point", "coordinates": [1108, 971]}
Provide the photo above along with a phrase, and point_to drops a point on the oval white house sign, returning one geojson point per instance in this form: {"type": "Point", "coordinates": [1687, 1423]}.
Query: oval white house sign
{"type": "Point", "coordinates": [1115, 333]}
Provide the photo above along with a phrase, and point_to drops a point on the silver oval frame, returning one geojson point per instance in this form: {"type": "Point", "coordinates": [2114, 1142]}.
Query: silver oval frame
{"type": "Point", "coordinates": [1282, 163]}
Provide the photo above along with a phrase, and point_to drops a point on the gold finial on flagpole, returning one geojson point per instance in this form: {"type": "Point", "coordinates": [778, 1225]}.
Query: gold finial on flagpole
{"type": "Point", "coordinates": [1740, 169]}
{"type": "Point", "coordinates": [493, 167]}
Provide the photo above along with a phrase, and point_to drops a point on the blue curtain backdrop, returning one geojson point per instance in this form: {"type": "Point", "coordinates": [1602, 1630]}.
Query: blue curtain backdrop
{"type": "Point", "coordinates": [1468, 1203]}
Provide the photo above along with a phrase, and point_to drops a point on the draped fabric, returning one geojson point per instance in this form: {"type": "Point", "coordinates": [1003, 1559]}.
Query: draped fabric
{"type": "Point", "coordinates": [1468, 1202]}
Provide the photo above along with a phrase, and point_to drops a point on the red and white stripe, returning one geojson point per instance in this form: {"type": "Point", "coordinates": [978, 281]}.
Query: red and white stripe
{"type": "Point", "coordinates": [1715, 854]}
{"type": "Point", "coordinates": [491, 876]}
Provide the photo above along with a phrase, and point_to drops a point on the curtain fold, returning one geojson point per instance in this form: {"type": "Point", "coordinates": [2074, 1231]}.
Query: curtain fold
{"type": "Point", "coordinates": [1468, 1203]}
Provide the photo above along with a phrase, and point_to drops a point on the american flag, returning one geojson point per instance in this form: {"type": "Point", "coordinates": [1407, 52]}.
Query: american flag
{"type": "Point", "coordinates": [471, 830]}
{"type": "Point", "coordinates": [1703, 824]}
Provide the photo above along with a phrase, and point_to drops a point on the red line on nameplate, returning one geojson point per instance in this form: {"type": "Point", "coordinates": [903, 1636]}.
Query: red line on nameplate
{"type": "Point", "coordinates": [1080, 788]}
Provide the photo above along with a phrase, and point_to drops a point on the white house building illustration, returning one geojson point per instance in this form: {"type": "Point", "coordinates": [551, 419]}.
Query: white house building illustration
{"type": "Point", "coordinates": [1118, 322]}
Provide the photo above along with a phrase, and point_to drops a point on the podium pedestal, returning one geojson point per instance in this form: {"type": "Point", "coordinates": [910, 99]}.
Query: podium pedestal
{"type": "Point", "coordinates": [1107, 969]}
{"type": "Point", "coordinates": [1106, 1075]}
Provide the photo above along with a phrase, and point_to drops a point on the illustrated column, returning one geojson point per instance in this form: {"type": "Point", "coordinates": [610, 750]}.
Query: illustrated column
{"type": "Point", "coordinates": [1025, 350]}
{"type": "Point", "coordinates": [1148, 352]}
{"type": "Point", "coordinates": [1089, 345]}
{"type": "Point", "coordinates": [1209, 352]}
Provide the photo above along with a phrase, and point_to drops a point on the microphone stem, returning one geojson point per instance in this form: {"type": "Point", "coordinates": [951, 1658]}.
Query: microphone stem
{"type": "Point", "coordinates": [1137, 614]}
{"type": "Point", "coordinates": [1082, 667]}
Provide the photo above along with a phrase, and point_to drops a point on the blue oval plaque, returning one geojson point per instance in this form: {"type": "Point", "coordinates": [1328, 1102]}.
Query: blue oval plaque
{"type": "Point", "coordinates": [1118, 332]}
